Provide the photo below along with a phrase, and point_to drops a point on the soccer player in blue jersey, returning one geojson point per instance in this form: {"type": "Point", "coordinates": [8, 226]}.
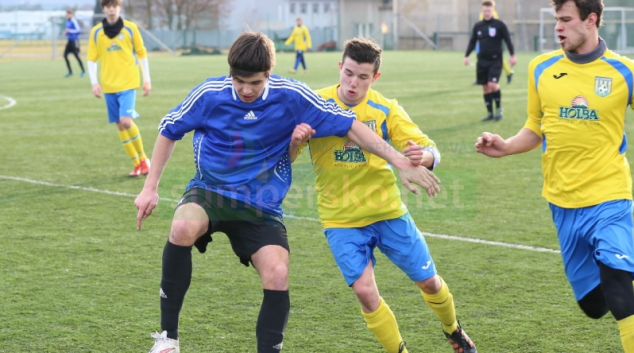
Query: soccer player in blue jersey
{"type": "Point", "coordinates": [243, 125]}
{"type": "Point", "coordinates": [376, 217]}
{"type": "Point", "coordinates": [72, 31]}
{"type": "Point", "coordinates": [577, 98]}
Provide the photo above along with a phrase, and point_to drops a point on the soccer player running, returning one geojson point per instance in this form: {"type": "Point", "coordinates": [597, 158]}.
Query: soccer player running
{"type": "Point", "coordinates": [577, 98]}
{"type": "Point", "coordinates": [243, 125]}
{"type": "Point", "coordinates": [372, 214]}
{"type": "Point", "coordinates": [490, 33]}
{"type": "Point", "coordinates": [72, 32]}
{"type": "Point", "coordinates": [300, 37]}
{"type": "Point", "coordinates": [118, 45]}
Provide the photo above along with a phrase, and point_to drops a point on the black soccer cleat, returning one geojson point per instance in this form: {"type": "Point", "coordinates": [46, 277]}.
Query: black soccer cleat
{"type": "Point", "coordinates": [509, 78]}
{"type": "Point", "coordinates": [499, 115]}
{"type": "Point", "coordinates": [460, 342]}
{"type": "Point", "coordinates": [489, 117]}
{"type": "Point", "coordinates": [401, 347]}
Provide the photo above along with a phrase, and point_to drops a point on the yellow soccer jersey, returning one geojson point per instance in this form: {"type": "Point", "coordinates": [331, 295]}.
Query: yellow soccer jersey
{"type": "Point", "coordinates": [579, 111]}
{"type": "Point", "coordinates": [356, 188]}
{"type": "Point", "coordinates": [119, 57]}
{"type": "Point", "coordinates": [300, 36]}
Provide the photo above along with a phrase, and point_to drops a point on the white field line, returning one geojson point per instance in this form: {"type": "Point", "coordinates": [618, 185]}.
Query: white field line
{"type": "Point", "coordinates": [11, 103]}
{"type": "Point", "coordinates": [426, 234]}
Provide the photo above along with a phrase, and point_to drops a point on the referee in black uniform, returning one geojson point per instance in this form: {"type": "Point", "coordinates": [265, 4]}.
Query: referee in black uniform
{"type": "Point", "coordinates": [489, 33]}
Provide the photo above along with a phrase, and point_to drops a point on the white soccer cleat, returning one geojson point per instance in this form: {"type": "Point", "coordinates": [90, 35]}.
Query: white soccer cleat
{"type": "Point", "coordinates": [164, 344]}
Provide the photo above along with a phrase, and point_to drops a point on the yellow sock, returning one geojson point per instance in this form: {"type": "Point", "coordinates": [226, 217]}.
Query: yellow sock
{"type": "Point", "coordinates": [626, 327]}
{"type": "Point", "coordinates": [129, 148]}
{"type": "Point", "coordinates": [382, 323]}
{"type": "Point", "coordinates": [137, 142]}
{"type": "Point", "coordinates": [442, 304]}
{"type": "Point", "coordinates": [507, 67]}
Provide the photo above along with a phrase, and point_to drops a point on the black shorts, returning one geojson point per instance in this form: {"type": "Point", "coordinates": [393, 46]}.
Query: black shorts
{"type": "Point", "coordinates": [247, 228]}
{"type": "Point", "coordinates": [72, 46]}
{"type": "Point", "coordinates": [488, 70]}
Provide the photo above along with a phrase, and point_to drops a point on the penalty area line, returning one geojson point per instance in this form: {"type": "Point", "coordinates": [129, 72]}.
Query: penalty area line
{"type": "Point", "coordinates": [311, 219]}
{"type": "Point", "coordinates": [11, 103]}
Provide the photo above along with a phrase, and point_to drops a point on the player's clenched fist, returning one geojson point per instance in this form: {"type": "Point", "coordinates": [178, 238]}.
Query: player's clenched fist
{"type": "Point", "coordinates": [302, 133]}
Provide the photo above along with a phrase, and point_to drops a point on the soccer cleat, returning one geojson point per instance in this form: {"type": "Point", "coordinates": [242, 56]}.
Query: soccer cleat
{"type": "Point", "coordinates": [292, 71]}
{"type": "Point", "coordinates": [136, 171]}
{"type": "Point", "coordinates": [499, 115]}
{"type": "Point", "coordinates": [68, 75]}
{"type": "Point", "coordinates": [82, 74]}
{"type": "Point", "coordinates": [145, 166]}
{"type": "Point", "coordinates": [460, 342]}
{"type": "Point", "coordinates": [401, 347]}
{"type": "Point", "coordinates": [509, 77]}
{"type": "Point", "coordinates": [489, 117]}
{"type": "Point", "coordinates": [162, 344]}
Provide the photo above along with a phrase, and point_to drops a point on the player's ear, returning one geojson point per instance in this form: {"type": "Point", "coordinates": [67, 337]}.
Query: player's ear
{"type": "Point", "coordinates": [340, 65]}
{"type": "Point", "coordinates": [592, 20]}
{"type": "Point", "coordinates": [376, 77]}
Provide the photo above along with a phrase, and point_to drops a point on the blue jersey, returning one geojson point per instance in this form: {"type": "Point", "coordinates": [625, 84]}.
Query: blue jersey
{"type": "Point", "coordinates": [241, 149]}
{"type": "Point", "coordinates": [73, 29]}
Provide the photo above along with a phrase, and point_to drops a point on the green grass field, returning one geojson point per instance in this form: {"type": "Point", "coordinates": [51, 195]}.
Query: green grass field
{"type": "Point", "coordinates": [76, 275]}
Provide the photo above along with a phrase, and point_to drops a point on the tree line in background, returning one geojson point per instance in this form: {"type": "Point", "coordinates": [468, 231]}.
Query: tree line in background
{"type": "Point", "coordinates": [177, 14]}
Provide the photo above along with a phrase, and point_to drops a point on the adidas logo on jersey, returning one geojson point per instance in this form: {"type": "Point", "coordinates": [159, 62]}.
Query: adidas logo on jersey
{"type": "Point", "coordinates": [250, 116]}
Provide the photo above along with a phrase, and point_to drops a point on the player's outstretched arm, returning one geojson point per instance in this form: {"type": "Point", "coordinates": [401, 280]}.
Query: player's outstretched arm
{"type": "Point", "coordinates": [147, 200]}
{"type": "Point", "coordinates": [367, 139]}
{"type": "Point", "coordinates": [493, 145]}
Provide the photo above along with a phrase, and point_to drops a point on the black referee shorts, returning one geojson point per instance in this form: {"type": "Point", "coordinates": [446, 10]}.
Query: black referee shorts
{"type": "Point", "coordinates": [488, 70]}
{"type": "Point", "coordinates": [72, 47]}
{"type": "Point", "coordinates": [247, 228]}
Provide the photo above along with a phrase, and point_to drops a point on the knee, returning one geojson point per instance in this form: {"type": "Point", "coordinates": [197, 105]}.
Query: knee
{"type": "Point", "coordinates": [593, 304]}
{"type": "Point", "coordinates": [125, 122]}
{"type": "Point", "coordinates": [368, 296]}
{"type": "Point", "coordinates": [276, 276]}
{"type": "Point", "coordinates": [431, 285]}
{"type": "Point", "coordinates": [593, 310]}
{"type": "Point", "coordinates": [184, 233]}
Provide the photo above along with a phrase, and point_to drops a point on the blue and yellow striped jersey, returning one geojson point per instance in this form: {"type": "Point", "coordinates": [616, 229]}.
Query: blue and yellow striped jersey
{"type": "Point", "coordinates": [118, 56]}
{"type": "Point", "coordinates": [579, 111]}
{"type": "Point", "coordinates": [354, 187]}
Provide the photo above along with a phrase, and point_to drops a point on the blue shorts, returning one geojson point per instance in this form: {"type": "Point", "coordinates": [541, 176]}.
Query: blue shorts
{"type": "Point", "coordinates": [121, 104]}
{"type": "Point", "coordinates": [603, 232]}
{"type": "Point", "coordinates": [398, 239]}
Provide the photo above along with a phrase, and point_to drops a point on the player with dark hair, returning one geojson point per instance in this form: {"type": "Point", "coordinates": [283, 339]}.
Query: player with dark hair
{"type": "Point", "coordinates": [377, 218]}
{"type": "Point", "coordinates": [243, 124]}
{"type": "Point", "coordinates": [118, 45]}
{"type": "Point", "coordinates": [577, 98]}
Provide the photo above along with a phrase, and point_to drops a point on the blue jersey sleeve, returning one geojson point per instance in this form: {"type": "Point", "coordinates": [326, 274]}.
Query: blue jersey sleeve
{"type": "Point", "coordinates": [187, 116]}
{"type": "Point", "coordinates": [327, 118]}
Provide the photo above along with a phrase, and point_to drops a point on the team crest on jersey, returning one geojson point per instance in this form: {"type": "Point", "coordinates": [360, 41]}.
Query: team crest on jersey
{"type": "Point", "coordinates": [602, 86]}
{"type": "Point", "coordinates": [114, 47]}
{"type": "Point", "coordinates": [492, 31]}
{"type": "Point", "coordinates": [120, 36]}
{"type": "Point", "coordinates": [578, 110]}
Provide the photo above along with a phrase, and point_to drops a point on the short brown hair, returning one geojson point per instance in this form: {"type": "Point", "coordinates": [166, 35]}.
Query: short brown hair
{"type": "Point", "coordinates": [363, 51]}
{"type": "Point", "coordinates": [585, 8]}
{"type": "Point", "coordinates": [250, 53]}
{"type": "Point", "coordinates": [488, 3]}
{"type": "Point", "coordinates": [105, 3]}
